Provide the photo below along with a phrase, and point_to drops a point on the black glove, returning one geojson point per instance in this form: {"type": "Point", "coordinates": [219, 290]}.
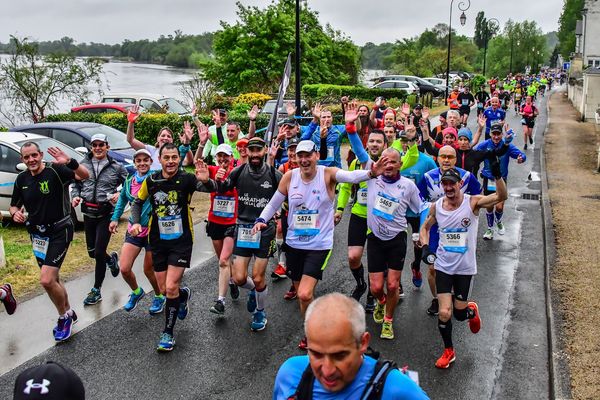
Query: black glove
{"type": "Point", "coordinates": [428, 257]}
{"type": "Point", "coordinates": [495, 167]}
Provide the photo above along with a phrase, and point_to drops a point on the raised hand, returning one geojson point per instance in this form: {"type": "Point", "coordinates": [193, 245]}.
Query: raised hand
{"type": "Point", "coordinates": [188, 133]}
{"type": "Point", "coordinates": [481, 120]}
{"type": "Point", "coordinates": [274, 148]}
{"type": "Point", "coordinates": [282, 134]}
{"type": "Point", "coordinates": [202, 133]}
{"type": "Point", "coordinates": [59, 155]}
{"type": "Point", "coordinates": [290, 108]}
{"type": "Point", "coordinates": [324, 131]}
{"type": "Point", "coordinates": [406, 109]}
{"type": "Point", "coordinates": [253, 113]}
{"type": "Point", "coordinates": [316, 111]}
{"type": "Point", "coordinates": [344, 99]}
{"type": "Point", "coordinates": [425, 113]}
{"type": "Point", "coordinates": [216, 118]}
{"type": "Point", "coordinates": [201, 171]}
{"type": "Point", "coordinates": [378, 167]}
{"type": "Point", "coordinates": [133, 114]}
{"type": "Point", "coordinates": [351, 114]}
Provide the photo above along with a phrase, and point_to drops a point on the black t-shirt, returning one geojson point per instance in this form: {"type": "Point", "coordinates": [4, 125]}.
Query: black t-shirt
{"type": "Point", "coordinates": [482, 96]}
{"type": "Point", "coordinates": [465, 99]}
{"type": "Point", "coordinates": [45, 195]}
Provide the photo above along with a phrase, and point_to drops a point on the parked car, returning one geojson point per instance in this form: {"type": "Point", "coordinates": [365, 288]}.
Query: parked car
{"type": "Point", "coordinates": [409, 87]}
{"type": "Point", "coordinates": [424, 86]}
{"type": "Point", "coordinates": [437, 82]}
{"type": "Point", "coordinates": [11, 164]}
{"type": "Point", "coordinates": [102, 108]}
{"type": "Point", "coordinates": [154, 103]}
{"type": "Point", "coordinates": [78, 134]}
{"type": "Point", "coordinates": [269, 108]}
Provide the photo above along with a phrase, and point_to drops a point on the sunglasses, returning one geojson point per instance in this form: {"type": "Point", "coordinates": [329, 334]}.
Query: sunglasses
{"type": "Point", "coordinates": [447, 156]}
{"type": "Point", "coordinates": [101, 144]}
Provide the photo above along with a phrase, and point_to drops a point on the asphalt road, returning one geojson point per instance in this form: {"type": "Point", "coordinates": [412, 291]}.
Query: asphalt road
{"type": "Point", "coordinates": [220, 358]}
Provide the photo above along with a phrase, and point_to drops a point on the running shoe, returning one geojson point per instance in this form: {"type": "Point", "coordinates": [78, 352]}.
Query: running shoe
{"type": "Point", "coordinates": [501, 229]}
{"type": "Point", "coordinates": [259, 321]}
{"type": "Point", "coordinates": [400, 292]}
{"type": "Point", "coordinates": [234, 291]}
{"type": "Point", "coordinates": [417, 278]}
{"type": "Point", "coordinates": [63, 329]}
{"type": "Point", "coordinates": [251, 303]}
{"type": "Point", "coordinates": [113, 264]}
{"type": "Point", "coordinates": [158, 305]}
{"type": "Point", "coordinates": [133, 300]}
{"type": "Point", "coordinates": [166, 342]}
{"type": "Point", "coordinates": [434, 308]}
{"type": "Point", "coordinates": [75, 319]}
{"type": "Point", "coordinates": [183, 305]}
{"type": "Point", "coordinates": [291, 294]}
{"type": "Point", "coordinates": [379, 312]}
{"type": "Point", "coordinates": [279, 272]}
{"type": "Point", "coordinates": [370, 304]}
{"type": "Point", "coordinates": [531, 140]}
{"type": "Point", "coordinates": [218, 308]}
{"type": "Point", "coordinates": [10, 303]}
{"type": "Point", "coordinates": [303, 345]}
{"type": "Point", "coordinates": [93, 297]}
{"type": "Point", "coordinates": [446, 359]}
{"type": "Point", "coordinates": [525, 147]}
{"type": "Point", "coordinates": [489, 234]}
{"type": "Point", "coordinates": [387, 330]}
{"type": "Point", "coordinates": [358, 291]}
{"type": "Point", "coordinates": [475, 322]}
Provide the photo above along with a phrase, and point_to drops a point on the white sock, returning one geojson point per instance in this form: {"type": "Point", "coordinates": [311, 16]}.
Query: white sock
{"type": "Point", "coordinates": [261, 298]}
{"type": "Point", "coordinates": [2, 294]}
{"type": "Point", "coordinates": [249, 284]}
{"type": "Point", "coordinates": [222, 299]}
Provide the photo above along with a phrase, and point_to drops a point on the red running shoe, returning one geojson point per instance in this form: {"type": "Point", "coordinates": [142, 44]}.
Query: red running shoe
{"type": "Point", "coordinates": [475, 322]}
{"type": "Point", "coordinates": [303, 345]}
{"type": "Point", "coordinates": [291, 294]}
{"type": "Point", "coordinates": [10, 303]}
{"type": "Point", "coordinates": [446, 359]}
{"type": "Point", "coordinates": [279, 272]}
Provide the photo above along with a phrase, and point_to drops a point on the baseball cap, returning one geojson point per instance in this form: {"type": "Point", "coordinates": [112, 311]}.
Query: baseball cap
{"type": "Point", "coordinates": [496, 128]}
{"type": "Point", "coordinates": [451, 175]}
{"type": "Point", "coordinates": [466, 132]}
{"type": "Point", "coordinates": [402, 135]}
{"type": "Point", "coordinates": [418, 106]}
{"type": "Point", "coordinates": [241, 142]}
{"type": "Point", "coordinates": [142, 151]}
{"type": "Point", "coordinates": [224, 148]}
{"type": "Point", "coordinates": [444, 115]}
{"type": "Point", "coordinates": [256, 142]}
{"type": "Point", "coordinates": [293, 142]}
{"type": "Point", "coordinates": [99, 137]}
{"type": "Point", "coordinates": [50, 381]}
{"type": "Point", "coordinates": [306, 146]}
{"type": "Point", "coordinates": [289, 121]}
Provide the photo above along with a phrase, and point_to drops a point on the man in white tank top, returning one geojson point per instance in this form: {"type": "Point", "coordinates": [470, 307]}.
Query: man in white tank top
{"type": "Point", "coordinates": [457, 214]}
{"type": "Point", "coordinates": [310, 190]}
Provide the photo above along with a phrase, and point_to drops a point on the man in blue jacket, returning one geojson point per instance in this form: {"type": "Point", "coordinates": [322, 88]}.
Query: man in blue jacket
{"type": "Point", "coordinates": [323, 119]}
{"type": "Point", "coordinates": [494, 214]}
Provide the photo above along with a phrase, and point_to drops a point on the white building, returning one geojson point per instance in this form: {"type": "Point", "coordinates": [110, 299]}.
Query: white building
{"type": "Point", "coordinates": [590, 40]}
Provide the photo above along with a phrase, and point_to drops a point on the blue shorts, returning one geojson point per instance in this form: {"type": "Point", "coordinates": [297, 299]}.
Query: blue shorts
{"type": "Point", "coordinates": [138, 241]}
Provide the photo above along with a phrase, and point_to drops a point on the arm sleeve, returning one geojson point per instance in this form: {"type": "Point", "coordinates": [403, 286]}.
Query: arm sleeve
{"type": "Point", "coordinates": [208, 187]}
{"type": "Point", "coordinates": [344, 195]}
{"type": "Point", "coordinates": [308, 132]}
{"type": "Point", "coordinates": [138, 203]}
{"type": "Point", "coordinates": [342, 176]}
{"type": "Point", "coordinates": [273, 206]}
{"type": "Point", "coordinates": [120, 206]}
{"type": "Point", "coordinates": [323, 149]}
{"type": "Point", "coordinates": [434, 151]}
{"type": "Point", "coordinates": [220, 138]}
{"type": "Point", "coordinates": [76, 189]}
{"type": "Point", "coordinates": [356, 144]}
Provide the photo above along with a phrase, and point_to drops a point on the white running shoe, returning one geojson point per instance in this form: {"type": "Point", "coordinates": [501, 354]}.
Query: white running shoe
{"type": "Point", "coordinates": [489, 234]}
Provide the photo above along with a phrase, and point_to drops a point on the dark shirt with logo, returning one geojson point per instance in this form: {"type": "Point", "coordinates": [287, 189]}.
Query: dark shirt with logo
{"type": "Point", "coordinates": [45, 195]}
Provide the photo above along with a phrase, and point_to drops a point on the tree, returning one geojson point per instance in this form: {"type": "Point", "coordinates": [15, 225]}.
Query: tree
{"type": "Point", "coordinates": [480, 27]}
{"type": "Point", "coordinates": [566, 26]}
{"type": "Point", "coordinates": [554, 57]}
{"type": "Point", "coordinates": [33, 84]}
{"type": "Point", "coordinates": [249, 55]}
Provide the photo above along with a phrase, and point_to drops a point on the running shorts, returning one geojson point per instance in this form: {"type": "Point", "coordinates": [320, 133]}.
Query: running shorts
{"type": "Point", "coordinates": [384, 254]}
{"type": "Point", "coordinates": [357, 231]}
{"type": "Point", "coordinates": [58, 244]}
{"type": "Point", "coordinates": [138, 241]}
{"type": "Point", "coordinates": [460, 285]}
{"type": "Point", "coordinates": [165, 254]}
{"type": "Point", "coordinates": [306, 262]}
{"type": "Point", "coordinates": [217, 231]}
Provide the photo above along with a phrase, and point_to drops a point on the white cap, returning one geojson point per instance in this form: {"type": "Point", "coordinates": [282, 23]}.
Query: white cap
{"type": "Point", "coordinates": [224, 148]}
{"type": "Point", "coordinates": [142, 151]}
{"type": "Point", "coordinates": [307, 146]}
{"type": "Point", "coordinates": [99, 137]}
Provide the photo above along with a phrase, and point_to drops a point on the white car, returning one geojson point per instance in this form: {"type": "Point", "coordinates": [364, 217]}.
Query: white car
{"type": "Point", "coordinates": [409, 87]}
{"type": "Point", "coordinates": [11, 164]}
{"type": "Point", "coordinates": [151, 102]}
{"type": "Point", "coordinates": [437, 82]}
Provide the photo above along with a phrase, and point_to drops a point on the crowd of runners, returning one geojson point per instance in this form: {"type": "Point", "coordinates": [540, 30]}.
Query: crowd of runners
{"type": "Point", "coordinates": [407, 184]}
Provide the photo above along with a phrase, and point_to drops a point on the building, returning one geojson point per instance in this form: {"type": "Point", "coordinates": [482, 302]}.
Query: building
{"type": "Point", "coordinates": [590, 39]}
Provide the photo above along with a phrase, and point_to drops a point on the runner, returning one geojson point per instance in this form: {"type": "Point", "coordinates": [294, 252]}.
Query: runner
{"type": "Point", "coordinates": [453, 99]}
{"type": "Point", "coordinates": [482, 98]}
{"type": "Point", "coordinates": [97, 195]}
{"type": "Point", "coordinates": [518, 97]}
{"type": "Point", "coordinates": [171, 232]}
{"type": "Point", "coordinates": [311, 193]}
{"type": "Point", "coordinates": [466, 101]}
{"type": "Point", "coordinates": [494, 115]}
{"type": "Point", "coordinates": [528, 113]}
{"type": "Point", "coordinates": [495, 212]}
{"type": "Point", "coordinates": [133, 245]}
{"type": "Point", "coordinates": [457, 215]}
{"type": "Point", "coordinates": [43, 192]}
{"type": "Point", "coordinates": [8, 299]}
{"type": "Point", "coordinates": [335, 134]}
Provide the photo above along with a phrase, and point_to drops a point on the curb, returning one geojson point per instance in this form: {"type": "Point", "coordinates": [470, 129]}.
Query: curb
{"type": "Point", "coordinates": [560, 382]}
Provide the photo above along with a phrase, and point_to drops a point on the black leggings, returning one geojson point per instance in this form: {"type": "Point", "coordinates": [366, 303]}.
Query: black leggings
{"type": "Point", "coordinates": [97, 237]}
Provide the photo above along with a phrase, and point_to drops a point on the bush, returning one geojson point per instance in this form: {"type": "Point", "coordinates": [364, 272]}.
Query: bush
{"type": "Point", "coordinates": [252, 98]}
{"type": "Point", "coordinates": [332, 93]}
{"type": "Point", "coordinates": [477, 82]}
{"type": "Point", "coordinates": [3, 129]}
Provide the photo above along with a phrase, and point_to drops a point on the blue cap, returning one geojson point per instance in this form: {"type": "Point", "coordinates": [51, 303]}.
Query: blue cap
{"type": "Point", "coordinates": [466, 132]}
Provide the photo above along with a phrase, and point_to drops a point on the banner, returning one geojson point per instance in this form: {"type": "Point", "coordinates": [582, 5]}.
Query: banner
{"type": "Point", "coordinates": [285, 81]}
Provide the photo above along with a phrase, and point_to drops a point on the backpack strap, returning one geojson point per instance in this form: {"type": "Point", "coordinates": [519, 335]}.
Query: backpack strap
{"type": "Point", "coordinates": [374, 389]}
{"type": "Point", "coordinates": [305, 386]}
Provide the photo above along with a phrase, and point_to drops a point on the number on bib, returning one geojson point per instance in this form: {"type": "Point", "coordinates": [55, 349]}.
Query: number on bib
{"type": "Point", "coordinates": [40, 246]}
{"type": "Point", "coordinates": [246, 239]}
{"type": "Point", "coordinates": [170, 227]}
{"type": "Point", "coordinates": [454, 240]}
{"type": "Point", "coordinates": [361, 196]}
{"type": "Point", "coordinates": [224, 206]}
{"type": "Point", "coordinates": [306, 222]}
{"type": "Point", "coordinates": [385, 206]}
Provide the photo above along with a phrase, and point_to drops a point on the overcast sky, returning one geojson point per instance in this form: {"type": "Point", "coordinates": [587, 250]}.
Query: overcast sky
{"type": "Point", "coordinates": [111, 21]}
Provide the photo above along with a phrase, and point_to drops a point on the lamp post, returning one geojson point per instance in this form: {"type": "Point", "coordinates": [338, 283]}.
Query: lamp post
{"type": "Point", "coordinates": [297, 60]}
{"type": "Point", "coordinates": [462, 6]}
{"type": "Point", "coordinates": [491, 24]}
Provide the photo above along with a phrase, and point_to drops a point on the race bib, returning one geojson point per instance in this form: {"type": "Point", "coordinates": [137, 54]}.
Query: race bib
{"type": "Point", "coordinates": [491, 186]}
{"type": "Point", "coordinates": [306, 222]}
{"type": "Point", "coordinates": [454, 240]}
{"type": "Point", "coordinates": [465, 102]}
{"type": "Point", "coordinates": [361, 196]}
{"type": "Point", "coordinates": [170, 227]}
{"type": "Point", "coordinates": [480, 105]}
{"type": "Point", "coordinates": [330, 152]}
{"type": "Point", "coordinates": [40, 246]}
{"type": "Point", "coordinates": [246, 239]}
{"type": "Point", "coordinates": [224, 206]}
{"type": "Point", "coordinates": [385, 206]}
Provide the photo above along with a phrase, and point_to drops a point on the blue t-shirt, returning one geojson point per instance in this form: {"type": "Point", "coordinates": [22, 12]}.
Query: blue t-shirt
{"type": "Point", "coordinates": [493, 117]}
{"type": "Point", "coordinates": [415, 173]}
{"type": "Point", "coordinates": [397, 386]}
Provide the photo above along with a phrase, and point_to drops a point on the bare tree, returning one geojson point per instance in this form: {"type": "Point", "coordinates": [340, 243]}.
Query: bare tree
{"type": "Point", "coordinates": [198, 91]}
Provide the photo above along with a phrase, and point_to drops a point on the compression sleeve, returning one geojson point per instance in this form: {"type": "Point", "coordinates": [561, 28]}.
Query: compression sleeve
{"type": "Point", "coordinates": [356, 144]}
{"type": "Point", "coordinates": [342, 176]}
{"type": "Point", "coordinates": [121, 203]}
{"type": "Point", "coordinates": [136, 206]}
{"type": "Point", "coordinates": [273, 205]}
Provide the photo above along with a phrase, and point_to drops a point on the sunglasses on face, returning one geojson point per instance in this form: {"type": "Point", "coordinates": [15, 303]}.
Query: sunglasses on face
{"type": "Point", "coordinates": [447, 156]}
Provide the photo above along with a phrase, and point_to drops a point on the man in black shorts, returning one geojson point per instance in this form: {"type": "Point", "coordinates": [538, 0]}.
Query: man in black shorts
{"type": "Point", "coordinates": [466, 101]}
{"type": "Point", "coordinates": [171, 233]}
{"type": "Point", "coordinates": [43, 190]}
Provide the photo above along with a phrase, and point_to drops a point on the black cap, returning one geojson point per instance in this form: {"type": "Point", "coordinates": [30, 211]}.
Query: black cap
{"type": "Point", "coordinates": [222, 111]}
{"type": "Point", "coordinates": [50, 381]}
{"type": "Point", "coordinates": [496, 128]}
{"type": "Point", "coordinates": [256, 142]}
{"type": "Point", "coordinates": [293, 142]}
{"type": "Point", "coordinates": [444, 115]}
{"type": "Point", "coordinates": [451, 175]}
{"type": "Point", "coordinates": [402, 135]}
{"type": "Point", "coordinates": [289, 121]}
{"type": "Point", "coordinates": [418, 106]}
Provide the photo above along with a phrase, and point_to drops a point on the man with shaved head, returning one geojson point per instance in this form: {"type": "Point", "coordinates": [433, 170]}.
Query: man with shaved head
{"type": "Point", "coordinates": [336, 366]}
{"type": "Point", "coordinates": [431, 190]}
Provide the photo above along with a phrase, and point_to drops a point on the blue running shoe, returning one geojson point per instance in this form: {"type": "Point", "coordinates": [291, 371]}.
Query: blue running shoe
{"type": "Point", "coordinates": [259, 321]}
{"type": "Point", "coordinates": [113, 264]}
{"type": "Point", "coordinates": [63, 329]}
{"type": "Point", "coordinates": [251, 304]}
{"type": "Point", "coordinates": [183, 305]}
{"type": "Point", "coordinates": [92, 297]}
{"type": "Point", "coordinates": [75, 319]}
{"type": "Point", "coordinates": [158, 305]}
{"type": "Point", "coordinates": [417, 278]}
{"type": "Point", "coordinates": [133, 300]}
{"type": "Point", "coordinates": [166, 342]}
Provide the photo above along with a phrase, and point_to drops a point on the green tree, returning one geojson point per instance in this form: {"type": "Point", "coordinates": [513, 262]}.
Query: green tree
{"type": "Point", "coordinates": [33, 84]}
{"type": "Point", "coordinates": [249, 55]}
{"type": "Point", "coordinates": [480, 27]}
{"type": "Point", "coordinates": [566, 26]}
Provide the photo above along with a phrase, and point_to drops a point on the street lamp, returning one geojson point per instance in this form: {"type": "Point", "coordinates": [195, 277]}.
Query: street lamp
{"type": "Point", "coordinates": [462, 6]}
{"type": "Point", "coordinates": [297, 60]}
{"type": "Point", "coordinates": [492, 24]}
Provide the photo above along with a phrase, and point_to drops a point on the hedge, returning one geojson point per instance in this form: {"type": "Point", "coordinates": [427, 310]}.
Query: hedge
{"type": "Point", "coordinates": [323, 92]}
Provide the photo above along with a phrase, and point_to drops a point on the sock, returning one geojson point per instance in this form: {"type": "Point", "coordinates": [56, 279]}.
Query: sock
{"type": "Point", "coordinates": [160, 296]}
{"type": "Point", "coordinates": [137, 291]}
{"type": "Point", "coordinates": [382, 301]}
{"type": "Point", "coordinates": [498, 216]}
{"type": "Point", "coordinates": [386, 319]}
{"type": "Point", "coordinates": [282, 258]}
{"type": "Point", "coordinates": [446, 332]}
{"type": "Point", "coordinates": [171, 314]}
{"type": "Point", "coordinates": [183, 296]}
{"type": "Point", "coordinates": [261, 298]}
{"type": "Point", "coordinates": [222, 299]}
{"type": "Point", "coordinates": [231, 282]}
{"type": "Point", "coordinates": [490, 219]}
{"type": "Point", "coordinates": [359, 275]}
{"type": "Point", "coordinates": [416, 265]}
{"type": "Point", "coordinates": [249, 284]}
{"type": "Point", "coordinates": [69, 312]}
{"type": "Point", "coordinates": [2, 294]}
